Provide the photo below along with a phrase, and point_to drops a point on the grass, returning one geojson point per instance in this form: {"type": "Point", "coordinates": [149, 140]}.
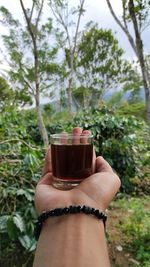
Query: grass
{"type": "Point", "coordinates": [129, 228]}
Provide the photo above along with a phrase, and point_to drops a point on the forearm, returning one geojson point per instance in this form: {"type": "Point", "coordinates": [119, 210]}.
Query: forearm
{"type": "Point", "coordinates": [70, 241]}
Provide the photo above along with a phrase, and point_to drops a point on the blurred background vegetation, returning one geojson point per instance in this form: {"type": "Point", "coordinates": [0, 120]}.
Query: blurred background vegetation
{"type": "Point", "coordinates": [85, 81]}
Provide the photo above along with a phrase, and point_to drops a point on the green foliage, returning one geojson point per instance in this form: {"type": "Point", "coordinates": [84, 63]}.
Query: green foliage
{"type": "Point", "coordinates": [21, 158]}
{"type": "Point", "coordinates": [116, 100]}
{"type": "Point", "coordinates": [135, 227]}
{"type": "Point", "coordinates": [121, 140]}
{"type": "Point", "coordinates": [11, 98]}
{"type": "Point", "coordinates": [28, 65]}
{"type": "Point", "coordinates": [19, 170]}
{"type": "Point", "coordinates": [116, 138]}
{"type": "Point", "coordinates": [141, 10]}
{"type": "Point", "coordinates": [136, 109]}
{"type": "Point", "coordinates": [100, 66]}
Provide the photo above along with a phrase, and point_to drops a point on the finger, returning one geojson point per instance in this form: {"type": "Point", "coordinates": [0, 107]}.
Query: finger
{"type": "Point", "coordinates": [86, 132]}
{"type": "Point", "coordinates": [63, 138]}
{"type": "Point", "coordinates": [102, 165]}
{"type": "Point", "coordinates": [77, 131]}
{"type": "Point", "coordinates": [94, 161]}
{"type": "Point", "coordinates": [47, 165]}
{"type": "Point", "coordinates": [83, 139]}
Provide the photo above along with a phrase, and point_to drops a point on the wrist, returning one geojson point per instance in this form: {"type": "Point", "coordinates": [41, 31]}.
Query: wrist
{"type": "Point", "coordinates": [81, 198]}
{"type": "Point", "coordinates": [69, 210]}
{"type": "Point", "coordinates": [73, 221]}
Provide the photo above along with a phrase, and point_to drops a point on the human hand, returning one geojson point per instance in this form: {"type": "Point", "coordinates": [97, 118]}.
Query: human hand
{"type": "Point", "coordinates": [97, 190]}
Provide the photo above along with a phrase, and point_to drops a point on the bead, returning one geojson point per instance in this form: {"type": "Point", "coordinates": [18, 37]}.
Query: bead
{"type": "Point", "coordinates": [87, 210]}
{"type": "Point", "coordinates": [65, 210]}
{"type": "Point", "coordinates": [78, 208]}
{"type": "Point", "coordinates": [74, 210]}
{"type": "Point", "coordinates": [49, 213]}
{"type": "Point", "coordinates": [71, 210]}
{"type": "Point", "coordinates": [56, 212]}
{"type": "Point", "coordinates": [96, 212]}
{"type": "Point", "coordinates": [83, 208]}
{"type": "Point", "coordinates": [100, 215]}
{"type": "Point", "coordinates": [93, 211]}
{"type": "Point", "coordinates": [42, 216]}
{"type": "Point", "coordinates": [52, 213]}
{"type": "Point", "coordinates": [60, 212]}
{"type": "Point", "coordinates": [46, 216]}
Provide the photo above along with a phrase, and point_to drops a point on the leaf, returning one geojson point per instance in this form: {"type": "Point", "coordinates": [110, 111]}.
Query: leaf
{"type": "Point", "coordinates": [33, 245]}
{"type": "Point", "coordinates": [18, 221]}
{"type": "Point", "coordinates": [28, 196]}
{"type": "Point", "coordinates": [26, 193]}
{"type": "Point", "coordinates": [3, 223]}
{"type": "Point", "coordinates": [20, 192]}
{"type": "Point", "coordinates": [25, 241]}
{"type": "Point", "coordinates": [11, 228]}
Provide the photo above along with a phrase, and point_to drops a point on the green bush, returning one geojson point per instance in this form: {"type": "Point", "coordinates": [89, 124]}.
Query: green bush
{"type": "Point", "coordinates": [135, 227]}
{"type": "Point", "coordinates": [136, 109]}
{"type": "Point", "coordinates": [20, 168]}
{"type": "Point", "coordinates": [117, 138]}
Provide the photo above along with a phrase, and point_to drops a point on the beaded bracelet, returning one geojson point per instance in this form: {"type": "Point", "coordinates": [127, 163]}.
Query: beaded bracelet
{"type": "Point", "coordinates": [68, 210]}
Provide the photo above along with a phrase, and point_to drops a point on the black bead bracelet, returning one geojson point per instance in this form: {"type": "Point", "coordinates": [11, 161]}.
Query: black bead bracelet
{"type": "Point", "coordinates": [67, 210]}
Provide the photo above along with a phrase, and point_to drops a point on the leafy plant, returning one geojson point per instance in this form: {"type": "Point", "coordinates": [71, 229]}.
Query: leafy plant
{"type": "Point", "coordinates": [20, 169]}
{"type": "Point", "coordinates": [117, 139]}
{"type": "Point", "coordinates": [136, 228]}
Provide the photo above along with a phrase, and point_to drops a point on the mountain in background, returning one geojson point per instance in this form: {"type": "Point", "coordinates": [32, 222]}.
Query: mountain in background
{"type": "Point", "coordinates": [126, 95]}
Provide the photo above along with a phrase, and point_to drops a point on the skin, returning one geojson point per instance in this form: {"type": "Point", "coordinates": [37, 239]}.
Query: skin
{"type": "Point", "coordinates": [77, 239]}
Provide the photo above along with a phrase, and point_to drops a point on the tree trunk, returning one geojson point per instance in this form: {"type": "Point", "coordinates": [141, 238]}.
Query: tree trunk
{"type": "Point", "coordinates": [69, 93]}
{"type": "Point", "coordinates": [147, 100]}
{"type": "Point", "coordinates": [85, 101]}
{"type": "Point", "coordinates": [41, 124]}
{"type": "Point", "coordinates": [139, 45]}
{"type": "Point", "coordinates": [33, 34]}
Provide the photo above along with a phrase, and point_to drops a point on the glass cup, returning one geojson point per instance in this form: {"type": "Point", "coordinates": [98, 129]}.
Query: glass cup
{"type": "Point", "coordinates": [71, 157]}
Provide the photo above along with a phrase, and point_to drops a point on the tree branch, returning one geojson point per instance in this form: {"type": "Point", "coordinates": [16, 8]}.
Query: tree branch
{"type": "Point", "coordinates": [38, 17]}
{"type": "Point", "coordinates": [19, 140]}
{"type": "Point", "coordinates": [124, 28]}
{"type": "Point", "coordinates": [60, 19]}
{"type": "Point", "coordinates": [139, 43]}
{"type": "Point", "coordinates": [77, 27]}
{"type": "Point", "coordinates": [32, 11]}
{"type": "Point", "coordinates": [28, 23]}
{"type": "Point", "coordinates": [33, 37]}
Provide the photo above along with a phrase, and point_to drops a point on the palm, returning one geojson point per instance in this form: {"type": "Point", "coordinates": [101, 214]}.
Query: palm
{"type": "Point", "coordinates": [94, 190]}
{"type": "Point", "coordinates": [97, 190]}
{"type": "Point", "coordinates": [47, 197]}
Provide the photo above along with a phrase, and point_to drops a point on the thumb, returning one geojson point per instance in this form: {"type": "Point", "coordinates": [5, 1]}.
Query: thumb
{"type": "Point", "coordinates": [102, 165]}
{"type": "Point", "coordinates": [46, 179]}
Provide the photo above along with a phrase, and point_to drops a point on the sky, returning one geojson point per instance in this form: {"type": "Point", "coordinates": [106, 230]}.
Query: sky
{"type": "Point", "coordinates": [96, 10]}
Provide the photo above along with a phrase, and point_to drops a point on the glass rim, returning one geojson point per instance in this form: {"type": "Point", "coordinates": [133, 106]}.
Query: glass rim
{"type": "Point", "coordinates": [70, 136]}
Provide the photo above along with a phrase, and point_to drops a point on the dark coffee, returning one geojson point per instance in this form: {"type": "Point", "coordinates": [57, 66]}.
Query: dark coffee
{"type": "Point", "coordinates": [72, 162]}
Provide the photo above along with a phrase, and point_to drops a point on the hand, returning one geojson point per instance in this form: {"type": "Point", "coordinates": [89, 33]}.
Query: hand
{"type": "Point", "coordinates": [96, 191]}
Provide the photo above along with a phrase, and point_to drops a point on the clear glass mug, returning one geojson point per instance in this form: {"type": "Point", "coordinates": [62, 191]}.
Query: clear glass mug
{"type": "Point", "coordinates": [71, 157]}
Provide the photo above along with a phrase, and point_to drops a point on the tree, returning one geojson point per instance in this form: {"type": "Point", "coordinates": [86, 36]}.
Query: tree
{"type": "Point", "coordinates": [31, 55]}
{"type": "Point", "coordinates": [100, 65]}
{"type": "Point", "coordinates": [6, 94]}
{"type": "Point", "coordinates": [62, 13]}
{"type": "Point", "coordinates": [11, 98]}
{"type": "Point", "coordinates": [136, 12]}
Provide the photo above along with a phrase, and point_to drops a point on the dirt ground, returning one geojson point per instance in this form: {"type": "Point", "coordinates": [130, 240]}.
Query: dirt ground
{"type": "Point", "coordinates": [119, 255]}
